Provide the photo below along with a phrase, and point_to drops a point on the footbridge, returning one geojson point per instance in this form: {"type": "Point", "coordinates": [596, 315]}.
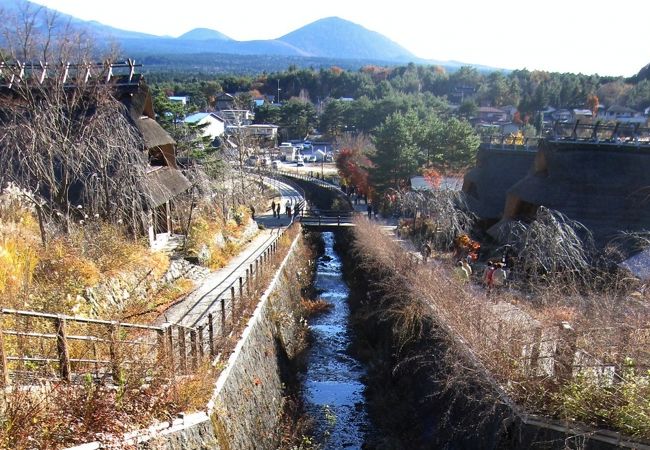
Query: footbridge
{"type": "Point", "coordinates": [319, 220]}
{"type": "Point", "coordinates": [307, 213]}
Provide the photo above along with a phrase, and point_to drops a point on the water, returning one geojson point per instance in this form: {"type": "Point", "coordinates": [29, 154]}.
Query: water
{"type": "Point", "coordinates": [332, 384]}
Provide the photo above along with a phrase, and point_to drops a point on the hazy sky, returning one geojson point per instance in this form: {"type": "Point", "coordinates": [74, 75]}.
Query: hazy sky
{"type": "Point", "coordinates": [588, 36]}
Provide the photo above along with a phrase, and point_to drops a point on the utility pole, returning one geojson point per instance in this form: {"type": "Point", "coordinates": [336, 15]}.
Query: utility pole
{"type": "Point", "coordinates": [279, 91]}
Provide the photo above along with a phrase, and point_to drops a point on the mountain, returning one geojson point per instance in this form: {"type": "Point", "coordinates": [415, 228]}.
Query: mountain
{"type": "Point", "coordinates": [335, 37]}
{"type": "Point", "coordinates": [332, 37]}
{"type": "Point", "coordinates": [203, 34]}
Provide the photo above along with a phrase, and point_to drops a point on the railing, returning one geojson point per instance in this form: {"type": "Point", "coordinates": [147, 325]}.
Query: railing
{"type": "Point", "coordinates": [616, 134]}
{"type": "Point", "coordinates": [328, 218]}
{"type": "Point", "coordinates": [508, 142]}
{"type": "Point", "coordinates": [302, 176]}
{"type": "Point", "coordinates": [33, 342]}
{"type": "Point", "coordinates": [36, 345]}
{"type": "Point", "coordinates": [619, 134]}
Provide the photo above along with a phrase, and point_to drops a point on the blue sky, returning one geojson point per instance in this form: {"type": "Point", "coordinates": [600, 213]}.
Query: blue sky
{"type": "Point", "coordinates": [555, 35]}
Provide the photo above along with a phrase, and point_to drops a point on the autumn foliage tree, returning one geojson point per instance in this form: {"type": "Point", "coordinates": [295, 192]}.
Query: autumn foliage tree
{"type": "Point", "coordinates": [352, 161]}
{"type": "Point", "coordinates": [592, 104]}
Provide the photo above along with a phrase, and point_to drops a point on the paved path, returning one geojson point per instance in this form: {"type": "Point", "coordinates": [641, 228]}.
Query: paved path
{"type": "Point", "coordinates": [194, 307]}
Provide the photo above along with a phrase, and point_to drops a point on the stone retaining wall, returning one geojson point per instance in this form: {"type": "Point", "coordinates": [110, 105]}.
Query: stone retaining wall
{"type": "Point", "coordinates": [117, 292]}
{"type": "Point", "coordinates": [247, 404]}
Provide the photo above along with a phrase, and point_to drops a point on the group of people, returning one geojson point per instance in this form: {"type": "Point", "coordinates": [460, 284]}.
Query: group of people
{"type": "Point", "coordinates": [276, 208]}
{"type": "Point", "coordinates": [372, 209]}
{"type": "Point", "coordinates": [495, 274]}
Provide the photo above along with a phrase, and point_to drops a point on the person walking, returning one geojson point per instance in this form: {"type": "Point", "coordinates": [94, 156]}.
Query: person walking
{"type": "Point", "coordinates": [426, 251]}
{"type": "Point", "coordinates": [287, 208]}
{"type": "Point", "coordinates": [273, 207]}
{"type": "Point", "coordinates": [369, 209]}
{"type": "Point", "coordinates": [488, 276]}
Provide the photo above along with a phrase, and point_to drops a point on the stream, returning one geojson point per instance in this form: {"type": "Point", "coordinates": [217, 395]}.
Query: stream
{"type": "Point", "coordinates": [333, 387]}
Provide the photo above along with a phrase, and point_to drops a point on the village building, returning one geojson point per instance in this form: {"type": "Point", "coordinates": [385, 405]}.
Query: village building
{"type": "Point", "coordinates": [224, 101]}
{"type": "Point", "coordinates": [601, 183]}
{"type": "Point", "coordinates": [623, 114]}
{"type": "Point", "coordinates": [211, 124]}
{"type": "Point", "coordinates": [489, 114]}
{"type": "Point", "coordinates": [236, 117]}
{"type": "Point", "coordinates": [180, 99]}
{"type": "Point", "coordinates": [164, 181]}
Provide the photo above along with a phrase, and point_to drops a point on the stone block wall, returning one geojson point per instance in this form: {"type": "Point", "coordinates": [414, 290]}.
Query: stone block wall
{"type": "Point", "coordinates": [247, 404]}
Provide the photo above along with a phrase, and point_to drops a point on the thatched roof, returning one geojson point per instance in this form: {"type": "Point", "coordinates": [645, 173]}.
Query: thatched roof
{"type": "Point", "coordinates": [495, 172]}
{"type": "Point", "coordinates": [154, 135]}
{"type": "Point", "coordinates": [605, 188]}
{"type": "Point", "coordinates": [164, 183]}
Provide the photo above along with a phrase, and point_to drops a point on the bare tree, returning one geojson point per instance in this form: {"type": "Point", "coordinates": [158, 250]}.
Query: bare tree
{"type": "Point", "coordinates": [65, 134]}
{"type": "Point", "coordinates": [444, 208]}
{"type": "Point", "coordinates": [552, 249]}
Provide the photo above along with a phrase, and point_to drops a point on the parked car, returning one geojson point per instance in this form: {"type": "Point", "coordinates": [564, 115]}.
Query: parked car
{"type": "Point", "coordinates": [275, 164]}
{"type": "Point", "coordinates": [300, 161]}
{"type": "Point", "coordinates": [311, 158]}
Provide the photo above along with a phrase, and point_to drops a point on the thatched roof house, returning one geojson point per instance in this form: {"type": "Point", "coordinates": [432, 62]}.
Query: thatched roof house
{"type": "Point", "coordinates": [164, 180]}
{"type": "Point", "coordinates": [497, 169]}
{"type": "Point", "coordinates": [603, 185]}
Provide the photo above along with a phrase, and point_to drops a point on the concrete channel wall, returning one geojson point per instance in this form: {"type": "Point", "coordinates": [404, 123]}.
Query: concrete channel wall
{"type": "Point", "coordinates": [247, 403]}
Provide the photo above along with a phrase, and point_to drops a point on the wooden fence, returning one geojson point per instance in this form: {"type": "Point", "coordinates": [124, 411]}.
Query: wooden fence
{"type": "Point", "coordinates": [37, 345]}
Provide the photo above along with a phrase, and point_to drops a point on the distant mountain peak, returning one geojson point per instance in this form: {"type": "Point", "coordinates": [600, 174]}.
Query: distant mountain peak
{"type": "Point", "coordinates": [334, 36]}
{"type": "Point", "coordinates": [204, 34]}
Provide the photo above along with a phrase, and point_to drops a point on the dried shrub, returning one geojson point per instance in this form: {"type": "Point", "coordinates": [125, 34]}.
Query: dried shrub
{"type": "Point", "coordinates": [497, 340]}
{"type": "Point", "coordinates": [315, 307]}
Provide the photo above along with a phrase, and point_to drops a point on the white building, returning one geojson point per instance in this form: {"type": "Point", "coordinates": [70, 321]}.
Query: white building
{"type": "Point", "coordinates": [183, 100]}
{"type": "Point", "coordinates": [214, 125]}
{"type": "Point", "coordinates": [623, 114]}
{"type": "Point", "coordinates": [237, 117]}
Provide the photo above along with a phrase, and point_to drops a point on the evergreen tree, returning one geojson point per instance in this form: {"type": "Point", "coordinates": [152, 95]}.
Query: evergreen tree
{"type": "Point", "coordinates": [398, 155]}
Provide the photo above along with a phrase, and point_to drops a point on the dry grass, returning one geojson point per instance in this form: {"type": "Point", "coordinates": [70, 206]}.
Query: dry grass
{"type": "Point", "coordinates": [515, 337]}
{"type": "Point", "coordinates": [314, 307]}
{"type": "Point", "coordinates": [207, 225]}
{"type": "Point", "coordinates": [53, 279]}
{"type": "Point", "coordinates": [57, 415]}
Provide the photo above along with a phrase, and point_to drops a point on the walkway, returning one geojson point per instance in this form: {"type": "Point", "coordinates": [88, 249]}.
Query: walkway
{"type": "Point", "coordinates": [194, 307]}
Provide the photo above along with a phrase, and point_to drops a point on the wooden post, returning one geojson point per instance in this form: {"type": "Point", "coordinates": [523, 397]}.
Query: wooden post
{"type": "Point", "coordinates": [338, 220]}
{"type": "Point", "coordinates": [565, 352]}
{"type": "Point", "coordinates": [534, 351]}
{"type": "Point", "coordinates": [249, 274]}
{"type": "Point", "coordinates": [170, 349]}
{"type": "Point", "coordinates": [232, 302]}
{"type": "Point", "coordinates": [181, 350]}
{"type": "Point", "coordinates": [201, 349]}
{"type": "Point", "coordinates": [241, 287]}
{"type": "Point", "coordinates": [193, 350]}
{"type": "Point", "coordinates": [211, 335]}
{"type": "Point", "coordinates": [160, 345]}
{"type": "Point", "coordinates": [223, 317]}
{"type": "Point", "coordinates": [96, 358]}
{"type": "Point", "coordinates": [4, 370]}
{"type": "Point", "coordinates": [114, 351]}
{"type": "Point", "coordinates": [257, 268]}
{"type": "Point", "coordinates": [62, 349]}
